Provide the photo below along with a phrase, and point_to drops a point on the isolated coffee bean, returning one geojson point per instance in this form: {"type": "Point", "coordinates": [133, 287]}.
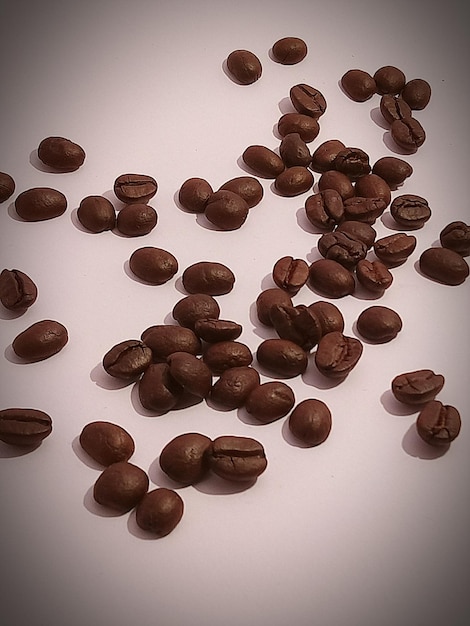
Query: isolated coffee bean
{"type": "Point", "coordinates": [392, 170]}
{"type": "Point", "coordinates": [456, 237]}
{"type": "Point", "coordinates": [331, 179]}
{"type": "Point", "coordinates": [267, 299]}
{"type": "Point", "coordinates": [337, 355]}
{"type": "Point", "coordinates": [305, 125]}
{"type": "Point", "coordinates": [135, 188]}
{"type": "Point", "coordinates": [410, 211]}
{"type": "Point", "coordinates": [325, 209]}
{"type": "Point", "coordinates": [290, 274]}
{"type": "Point", "coordinates": [96, 214]}
{"type": "Point", "coordinates": [232, 388]}
{"type": "Point", "coordinates": [342, 248]}
{"type": "Point", "coordinates": [214, 330]}
{"type": "Point", "coordinates": [195, 307]}
{"type": "Point", "coordinates": [194, 194]}
{"type": "Point", "coordinates": [244, 66]}
{"type": "Point", "coordinates": [293, 150]}
{"type": "Point", "coordinates": [247, 187]}
{"type": "Point", "coordinates": [226, 210]}
{"type": "Point", "coordinates": [408, 134]}
{"type": "Point", "coordinates": [394, 108]}
{"type": "Point", "coordinates": [331, 279]}
{"type": "Point", "coordinates": [374, 276]}
{"type": "Point", "coordinates": [298, 324]}
{"type": "Point", "coordinates": [270, 401]}
{"type": "Point", "coordinates": [328, 315]}
{"type": "Point", "coordinates": [289, 50]}
{"type": "Point", "coordinates": [417, 387]}
{"type": "Point", "coordinates": [222, 355]}
{"type": "Point", "coordinates": [379, 324]}
{"type": "Point", "coordinates": [438, 424]}
{"type": "Point", "coordinates": [372, 186]}
{"type": "Point", "coordinates": [353, 162]}
{"type": "Point", "coordinates": [394, 250]}
{"type": "Point", "coordinates": [186, 458]}
{"type": "Point", "coordinates": [362, 209]}
{"type": "Point", "coordinates": [293, 181]}
{"type": "Point", "coordinates": [308, 100]}
{"type": "Point", "coordinates": [106, 442]}
{"type": "Point", "coordinates": [159, 511]}
{"type": "Point", "coordinates": [282, 357]}
{"type": "Point", "coordinates": [310, 422]}
{"type": "Point", "coordinates": [191, 373]}
{"type": "Point", "coordinates": [417, 93]}
{"type": "Point", "coordinates": [128, 359]}
{"type": "Point", "coordinates": [121, 486]}
{"type": "Point", "coordinates": [389, 79]}
{"type": "Point", "coordinates": [164, 339]}
{"type": "Point", "coordinates": [208, 277]}
{"type": "Point", "coordinates": [444, 265]}
{"type": "Point", "coordinates": [359, 231]}
{"type": "Point", "coordinates": [24, 427]}
{"type": "Point", "coordinates": [136, 220]}
{"type": "Point", "coordinates": [158, 390]}
{"type": "Point", "coordinates": [17, 291]}
{"type": "Point", "coordinates": [61, 154]}
{"type": "Point", "coordinates": [153, 265]}
{"type": "Point", "coordinates": [358, 85]}
{"type": "Point", "coordinates": [40, 341]}
{"type": "Point", "coordinates": [263, 161]}
{"type": "Point", "coordinates": [239, 459]}
{"type": "Point", "coordinates": [40, 203]}
{"type": "Point", "coordinates": [324, 155]}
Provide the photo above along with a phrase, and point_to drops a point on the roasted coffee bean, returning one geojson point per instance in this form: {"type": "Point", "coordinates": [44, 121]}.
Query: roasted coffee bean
{"type": "Point", "coordinates": [456, 237]}
{"type": "Point", "coordinates": [394, 250]}
{"type": "Point", "coordinates": [194, 194]}
{"type": "Point", "coordinates": [444, 265]}
{"type": "Point", "coordinates": [267, 299]}
{"type": "Point", "coordinates": [128, 359]}
{"type": "Point", "coordinates": [417, 93]}
{"type": "Point", "coordinates": [324, 155]}
{"type": "Point", "coordinates": [214, 330]}
{"type": "Point", "coordinates": [337, 181]}
{"type": "Point", "coordinates": [294, 151]}
{"type": "Point", "coordinates": [305, 125]}
{"type": "Point", "coordinates": [191, 373]}
{"type": "Point", "coordinates": [222, 355]}
{"type": "Point", "coordinates": [310, 422]}
{"type": "Point", "coordinates": [410, 211]}
{"type": "Point", "coordinates": [61, 154]}
{"type": "Point", "coordinates": [40, 341]}
{"type": "Point", "coordinates": [389, 79]}
{"type": "Point", "coordinates": [121, 486]}
{"type": "Point", "coordinates": [394, 108]}
{"type": "Point", "coordinates": [372, 186]}
{"type": "Point", "coordinates": [438, 424]}
{"type": "Point", "coordinates": [17, 291]}
{"type": "Point", "coordinates": [281, 357]}
{"type": "Point", "coordinates": [40, 203]}
{"type": "Point", "coordinates": [293, 181]}
{"type": "Point", "coordinates": [233, 386]}
{"type": "Point", "coordinates": [135, 188]}
{"type": "Point", "coordinates": [96, 214]}
{"type": "Point", "coordinates": [153, 265]}
{"type": "Point", "coordinates": [244, 66]}
{"type": "Point", "coordinates": [247, 187]}
{"type": "Point", "coordinates": [331, 279]}
{"type": "Point", "coordinates": [208, 277]}
{"type": "Point", "coordinates": [353, 162]}
{"type": "Point", "coordinates": [298, 324]}
{"type": "Point", "coordinates": [158, 390]}
{"type": "Point", "coordinates": [226, 210]}
{"type": "Point", "coordinates": [362, 209]}
{"type": "Point", "coordinates": [290, 274]}
{"type": "Point", "coordinates": [374, 276]}
{"type": "Point", "coordinates": [308, 100]}
{"type": "Point", "coordinates": [106, 442]}
{"type": "Point", "coordinates": [263, 161]}
{"type": "Point", "coordinates": [239, 459]}
{"type": "Point", "coordinates": [328, 315]}
{"type": "Point", "coordinates": [159, 511]}
{"type": "Point", "coordinates": [196, 306]}
{"type": "Point", "coordinates": [379, 324]}
{"type": "Point", "coordinates": [325, 209]}
{"type": "Point", "coordinates": [408, 134]}
{"type": "Point", "coordinates": [186, 458]}
{"type": "Point", "coordinates": [7, 186]}
{"type": "Point", "coordinates": [392, 170]}
{"type": "Point", "coordinates": [358, 85]}
{"type": "Point", "coordinates": [417, 387]}
{"type": "Point", "coordinates": [270, 401]}
{"type": "Point", "coordinates": [342, 248]}
{"type": "Point", "coordinates": [164, 339]}
{"type": "Point", "coordinates": [24, 427]}
{"type": "Point", "coordinates": [337, 354]}
{"type": "Point", "coordinates": [359, 231]}
{"type": "Point", "coordinates": [289, 50]}
{"type": "Point", "coordinates": [136, 220]}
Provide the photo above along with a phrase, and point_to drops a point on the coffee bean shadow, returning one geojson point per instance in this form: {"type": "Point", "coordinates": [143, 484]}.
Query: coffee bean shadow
{"type": "Point", "coordinates": [212, 484]}
{"type": "Point", "coordinates": [7, 314]}
{"type": "Point", "coordinates": [312, 377]}
{"type": "Point", "coordinates": [395, 407]}
{"type": "Point", "coordinates": [289, 437]}
{"type": "Point", "coordinates": [202, 221]}
{"type": "Point", "coordinates": [361, 293]}
{"type": "Point", "coordinates": [377, 117]}
{"type": "Point", "coordinates": [84, 457]}
{"type": "Point", "coordinates": [36, 162]}
{"type": "Point", "coordinates": [12, 357]}
{"type": "Point", "coordinates": [97, 509]}
{"type": "Point", "coordinates": [413, 445]}
{"type": "Point", "coordinates": [259, 329]}
{"type": "Point", "coordinates": [102, 379]}
{"type": "Point", "coordinates": [111, 196]}
{"type": "Point", "coordinates": [11, 210]}
{"type": "Point", "coordinates": [248, 419]}
{"type": "Point", "coordinates": [8, 451]}
{"type": "Point", "coordinates": [276, 132]}
{"type": "Point", "coordinates": [285, 106]}
{"type": "Point", "coordinates": [421, 273]}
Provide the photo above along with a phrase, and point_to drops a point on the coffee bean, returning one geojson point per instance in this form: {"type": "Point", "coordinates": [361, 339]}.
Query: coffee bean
{"type": "Point", "coordinates": [408, 134]}
{"type": "Point", "coordinates": [281, 357]}
{"type": "Point", "coordinates": [331, 279]}
{"type": "Point", "coordinates": [310, 422]}
{"type": "Point", "coordinates": [267, 299]}
{"type": "Point", "coordinates": [342, 248]}
{"type": "Point", "coordinates": [444, 265]}
{"type": "Point", "coordinates": [40, 203]}
{"type": "Point", "coordinates": [61, 154]}
{"type": "Point", "coordinates": [456, 237]}
{"type": "Point", "coordinates": [208, 277]}
{"type": "Point", "coordinates": [362, 209]}
{"type": "Point", "coordinates": [40, 341]}
{"type": "Point", "coordinates": [338, 181]}
{"type": "Point", "coordinates": [164, 339]}
{"type": "Point", "coordinates": [298, 324]}
{"type": "Point", "coordinates": [196, 306]}
{"type": "Point", "coordinates": [239, 459]}
{"type": "Point", "coordinates": [158, 390]}
{"type": "Point", "coordinates": [135, 188]}
{"type": "Point", "coordinates": [358, 85]}
{"type": "Point", "coordinates": [136, 220]}
{"type": "Point", "coordinates": [379, 324]}
{"type": "Point", "coordinates": [289, 50]}
{"type": "Point", "coordinates": [244, 66]}
{"type": "Point", "coordinates": [121, 486]}
{"type": "Point", "coordinates": [293, 181]}
{"type": "Point", "coordinates": [222, 355]}
{"type": "Point", "coordinates": [194, 194]}
{"type": "Point", "coordinates": [337, 355]}
{"type": "Point", "coordinates": [232, 388]}
{"type": "Point", "coordinates": [153, 265]}
{"type": "Point", "coordinates": [186, 458]}
{"type": "Point", "coordinates": [24, 427]}
{"type": "Point", "coordinates": [328, 315]}
{"type": "Point", "coordinates": [294, 151]}
{"type": "Point", "coordinates": [263, 161]}
{"type": "Point", "coordinates": [372, 186]}
{"type": "Point", "coordinates": [417, 387]}
{"type": "Point", "coordinates": [438, 424]}
{"type": "Point", "coordinates": [106, 442]}
{"type": "Point", "coordinates": [410, 211]}
{"type": "Point", "coordinates": [308, 100]}
{"type": "Point", "coordinates": [374, 276]}
{"type": "Point", "coordinates": [159, 511]}
{"type": "Point", "coordinates": [226, 210]}
{"type": "Point", "coordinates": [305, 125]}
{"type": "Point", "coordinates": [191, 373]}
{"type": "Point", "coordinates": [270, 401]}
{"type": "Point", "coordinates": [353, 162]}
{"type": "Point", "coordinates": [247, 187]}
{"type": "Point", "coordinates": [17, 291]}
{"type": "Point", "coordinates": [96, 214]}
{"type": "Point", "coordinates": [359, 231]}
{"type": "Point", "coordinates": [389, 80]}
{"type": "Point", "coordinates": [128, 359]}
{"type": "Point", "coordinates": [392, 170]}
{"type": "Point", "coordinates": [324, 155]}
{"type": "Point", "coordinates": [7, 186]}
{"type": "Point", "coordinates": [214, 330]}
{"type": "Point", "coordinates": [394, 108]}
{"type": "Point", "coordinates": [417, 93]}
{"type": "Point", "coordinates": [394, 250]}
{"type": "Point", "coordinates": [325, 209]}
{"type": "Point", "coordinates": [290, 274]}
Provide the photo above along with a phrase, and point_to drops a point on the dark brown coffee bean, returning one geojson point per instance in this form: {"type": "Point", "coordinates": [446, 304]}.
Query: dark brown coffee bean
{"type": "Point", "coordinates": [372, 186]}
{"type": "Point", "coordinates": [40, 341]}
{"type": "Point", "coordinates": [289, 50]}
{"type": "Point", "coordinates": [337, 181]}
{"type": "Point", "coordinates": [234, 385]}
{"type": "Point", "coordinates": [417, 93]}
{"type": "Point", "coordinates": [305, 125]}
{"type": "Point", "coordinates": [247, 187]}
{"type": "Point", "coordinates": [392, 170]}
{"type": "Point", "coordinates": [337, 355]}
{"type": "Point", "coordinates": [24, 427]}
{"type": "Point", "coordinates": [298, 324]}
{"type": "Point", "coordinates": [194, 194]}
{"type": "Point", "coordinates": [325, 209]}
{"type": "Point", "coordinates": [128, 359]}
{"type": "Point", "coordinates": [96, 214]}
{"type": "Point", "coordinates": [135, 188]}
{"type": "Point", "coordinates": [164, 339]}
{"type": "Point", "coordinates": [208, 277]}
{"type": "Point", "coordinates": [136, 220]}
{"type": "Point", "coordinates": [158, 390]}
{"type": "Point", "coordinates": [408, 134]}
{"type": "Point", "coordinates": [191, 373]}
{"type": "Point", "coordinates": [374, 276]}
{"type": "Point", "coordinates": [159, 511]}
{"type": "Point", "coordinates": [153, 265]}
{"type": "Point", "coordinates": [310, 422]}
{"type": "Point", "coordinates": [196, 306]}
{"type": "Point", "coordinates": [226, 210]}
{"type": "Point", "coordinates": [282, 357]}
{"type": "Point", "coordinates": [379, 324]}
{"type": "Point", "coordinates": [121, 486]}
{"type": "Point", "coordinates": [267, 299]}
{"type": "Point", "coordinates": [61, 154]}
{"type": "Point", "coordinates": [417, 387]}
{"type": "Point", "coordinates": [294, 151]}
{"type": "Point", "coordinates": [214, 330]}
{"type": "Point", "coordinates": [456, 237]}
{"type": "Point", "coordinates": [394, 250]}
{"type": "Point", "coordinates": [7, 186]}
{"type": "Point", "coordinates": [17, 291]}
{"type": "Point", "coordinates": [239, 459]}
{"type": "Point", "coordinates": [222, 355]}
{"type": "Point", "coordinates": [186, 458]}
{"type": "Point", "coordinates": [106, 442]}
{"type": "Point", "coordinates": [331, 279]}
{"type": "Point", "coordinates": [361, 209]}
{"type": "Point", "coordinates": [359, 231]}
{"type": "Point", "coordinates": [290, 274]}
{"type": "Point", "coordinates": [444, 265]}
{"type": "Point", "coordinates": [270, 401]}
{"type": "Point", "coordinates": [40, 203]}
{"type": "Point", "coordinates": [293, 181]}
{"type": "Point", "coordinates": [353, 162]}
{"type": "Point", "coordinates": [358, 85]}
{"type": "Point", "coordinates": [263, 161]}
{"type": "Point", "coordinates": [342, 248]}
{"type": "Point", "coordinates": [394, 108]}
{"type": "Point", "coordinates": [328, 315]}
{"type": "Point", "coordinates": [244, 66]}
{"type": "Point", "coordinates": [438, 424]}
{"type": "Point", "coordinates": [389, 79]}
{"type": "Point", "coordinates": [324, 155]}
{"type": "Point", "coordinates": [308, 100]}
{"type": "Point", "coordinates": [410, 211]}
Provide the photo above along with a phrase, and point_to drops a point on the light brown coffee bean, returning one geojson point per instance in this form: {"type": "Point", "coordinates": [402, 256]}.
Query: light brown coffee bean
{"type": "Point", "coordinates": [24, 427]}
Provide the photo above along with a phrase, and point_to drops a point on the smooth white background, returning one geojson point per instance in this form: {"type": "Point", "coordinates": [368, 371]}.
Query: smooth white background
{"type": "Point", "coordinates": [371, 527]}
